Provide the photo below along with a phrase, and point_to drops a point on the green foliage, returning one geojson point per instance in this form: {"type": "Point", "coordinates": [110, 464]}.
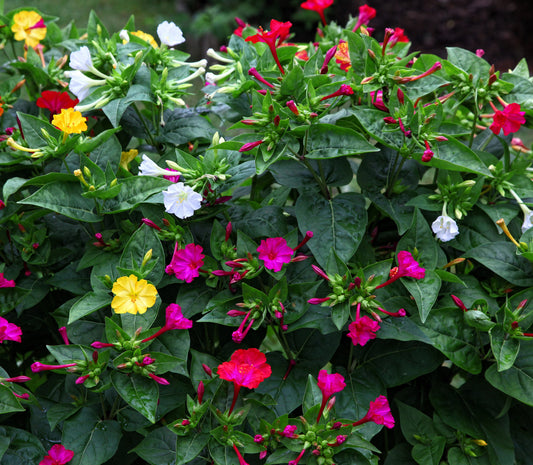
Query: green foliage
{"type": "Point", "coordinates": [305, 257]}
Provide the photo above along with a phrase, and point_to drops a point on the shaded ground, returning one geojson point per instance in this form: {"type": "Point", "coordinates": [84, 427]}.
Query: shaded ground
{"type": "Point", "coordinates": [501, 28]}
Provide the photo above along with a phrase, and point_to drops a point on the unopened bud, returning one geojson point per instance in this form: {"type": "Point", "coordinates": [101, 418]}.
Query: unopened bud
{"type": "Point", "coordinates": [147, 258]}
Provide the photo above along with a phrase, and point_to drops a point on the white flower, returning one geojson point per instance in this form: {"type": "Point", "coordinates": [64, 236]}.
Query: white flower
{"type": "Point", "coordinates": [150, 168]}
{"type": "Point", "coordinates": [81, 85]}
{"type": "Point", "coordinates": [445, 228]}
{"type": "Point", "coordinates": [181, 200]}
{"type": "Point", "coordinates": [124, 36]}
{"type": "Point", "coordinates": [81, 59]}
{"type": "Point", "coordinates": [170, 34]}
{"type": "Point", "coordinates": [528, 221]}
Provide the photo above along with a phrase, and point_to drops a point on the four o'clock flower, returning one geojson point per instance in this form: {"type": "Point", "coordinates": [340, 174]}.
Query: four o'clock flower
{"type": "Point", "coordinates": [186, 262]}
{"type": "Point", "coordinates": [528, 214]}
{"type": "Point", "coordinates": [82, 61]}
{"type": "Point", "coordinates": [80, 85]}
{"type": "Point", "coordinates": [9, 331]}
{"type": "Point", "coordinates": [170, 34]}
{"type": "Point", "coordinates": [181, 200]}
{"type": "Point", "coordinates": [278, 33]}
{"type": "Point", "coordinates": [328, 384]}
{"type": "Point", "coordinates": [366, 13]}
{"type": "Point", "coordinates": [250, 146]}
{"type": "Point", "coordinates": [428, 153]}
{"type": "Point", "coordinates": [174, 320]}
{"type": "Point", "coordinates": [379, 412]}
{"type": "Point", "coordinates": [509, 120]}
{"type": "Point", "coordinates": [36, 367]}
{"type": "Point", "coordinates": [362, 329]}
{"type": "Point", "coordinates": [274, 251]}
{"type": "Point", "coordinates": [407, 267]}
{"type": "Point", "coordinates": [344, 89]}
{"type": "Point", "coordinates": [148, 167]}
{"type": "Point", "coordinates": [57, 455]}
{"type": "Point", "coordinates": [319, 6]}
{"type": "Point", "coordinates": [445, 227]}
{"type": "Point", "coordinates": [6, 282]}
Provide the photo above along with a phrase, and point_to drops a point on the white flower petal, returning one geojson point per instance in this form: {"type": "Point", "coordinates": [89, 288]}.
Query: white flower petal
{"type": "Point", "coordinates": [528, 221]}
{"type": "Point", "coordinates": [445, 228]}
{"type": "Point", "coordinates": [81, 59]}
{"type": "Point", "coordinates": [181, 200]}
{"type": "Point", "coordinates": [170, 34]}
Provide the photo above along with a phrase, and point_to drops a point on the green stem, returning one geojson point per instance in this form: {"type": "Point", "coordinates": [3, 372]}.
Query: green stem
{"type": "Point", "coordinates": [396, 171]}
{"type": "Point", "coordinates": [472, 133]}
{"type": "Point", "coordinates": [323, 186]}
{"type": "Point", "coordinates": [349, 368]}
{"type": "Point", "coordinates": [143, 122]}
{"type": "Point", "coordinates": [484, 145]}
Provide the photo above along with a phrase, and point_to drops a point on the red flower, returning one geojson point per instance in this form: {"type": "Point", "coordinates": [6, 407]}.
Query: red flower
{"type": "Point", "coordinates": [278, 33]}
{"type": "Point", "coordinates": [9, 331]}
{"type": "Point", "coordinates": [246, 368]}
{"type": "Point", "coordinates": [319, 6]}
{"type": "Point", "coordinates": [274, 251]}
{"type": "Point", "coordinates": [379, 412]}
{"type": "Point", "coordinates": [186, 263]}
{"type": "Point", "coordinates": [56, 101]}
{"type": "Point", "coordinates": [344, 89]}
{"type": "Point", "coordinates": [6, 282]}
{"type": "Point", "coordinates": [398, 36]}
{"type": "Point", "coordinates": [366, 13]}
{"type": "Point", "coordinates": [428, 153]}
{"type": "Point", "coordinates": [57, 455]}
{"type": "Point", "coordinates": [510, 119]}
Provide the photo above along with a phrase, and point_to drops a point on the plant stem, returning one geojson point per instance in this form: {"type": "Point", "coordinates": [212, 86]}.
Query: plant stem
{"type": "Point", "coordinates": [143, 122]}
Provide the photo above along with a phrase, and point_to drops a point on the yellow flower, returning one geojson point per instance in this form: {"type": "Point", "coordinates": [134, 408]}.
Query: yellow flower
{"type": "Point", "coordinates": [29, 27]}
{"type": "Point", "coordinates": [70, 121]}
{"type": "Point", "coordinates": [127, 157]}
{"type": "Point", "coordinates": [132, 296]}
{"type": "Point", "coordinates": [146, 37]}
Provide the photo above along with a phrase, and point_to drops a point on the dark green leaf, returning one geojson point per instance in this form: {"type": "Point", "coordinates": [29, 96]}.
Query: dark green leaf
{"type": "Point", "coordinates": [139, 392]}
{"type": "Point", "coordinates": [504, 347]}
{"type": "Point", "coordinates": [329, 141]}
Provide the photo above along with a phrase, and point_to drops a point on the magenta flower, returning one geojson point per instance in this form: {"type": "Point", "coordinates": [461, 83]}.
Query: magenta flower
{"type": "Point", "coordinates": [6, 282]}
{"type": "Point", "coordinates": [174, 320]}
{"type": "Point", "coordinates": [186, 263]}
{"type": "Point", "coordinates": [363, 329]}
{"type": "Point", "coordinates": [36, 367]}
{"type": "Point", "coordinates": [274, 251]}
{"type": "Point", "coordinates": [289, 431]}
{"type": "Point", "coordinates": [428, 153]}
{"type": "Point", "coordinates": [57, 455]}
{"type": "Point", "coordinates": [319, 6]}
{"type": "Point", "coordinates": [329, 384]}
{"type": "Point", "coordinates": [344, 89]}
{"type": "Point", "coordinates": [407, 267]}
{"type": "Point", "coordinates": [379, 412]}
{"type": "Point", "coordinates": [377, 100]}
{"type": "Point", "coordinates": [241, 331]}
{"type": "Point", "coordinates": [158, 379]}
{"type": "Point", "coordinates": [366, 13]}
{"type": "Point", "coordinates": [9, 331]}
{"type": "Point", "coordinates": [250, 146]}
{"type": "Point", "coordinates": [510, 119]}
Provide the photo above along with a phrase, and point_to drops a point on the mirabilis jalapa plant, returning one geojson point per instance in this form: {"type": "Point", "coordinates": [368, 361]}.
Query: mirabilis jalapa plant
{"type": "Point", "coordinates": [325, 260]}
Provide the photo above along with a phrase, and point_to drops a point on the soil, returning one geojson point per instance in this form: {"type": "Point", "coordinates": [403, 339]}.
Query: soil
{"type": "Point", "coordinates": [500, 28]}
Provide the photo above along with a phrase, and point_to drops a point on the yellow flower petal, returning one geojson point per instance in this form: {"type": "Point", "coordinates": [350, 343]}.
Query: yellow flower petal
{"type": "Point", "coordinates": [132, 295]}
{"type": "Point", "coordinates": [70, 121]}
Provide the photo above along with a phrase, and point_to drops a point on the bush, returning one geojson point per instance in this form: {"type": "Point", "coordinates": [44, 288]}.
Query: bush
{"type": "Point", "coordinates": [306, 265]}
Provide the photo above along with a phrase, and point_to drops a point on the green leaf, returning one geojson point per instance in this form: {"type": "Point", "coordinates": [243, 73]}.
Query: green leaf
{"type": "Point", "coordinates": [517, 381]}
{"type": "Point", "coordinates": [372, 122]}
{"type": "Point", "coordinates": [134, 190]}
{"type": "Point", "coordinates": [64, 198]}
{"type": "Point", "coordinates": [455, 156]}
{"type": "Point", "coordinates": [190, 447]}
{"type": "Point", "coordinates": [449, 333]}
{"type": "Point", "coordinates": [182, 126]}
{"type": "Point", "coordinates": [88, 304]}
{"type": "Point", "coordinates": [141, 241]}
{"type": "Point", "coordinates": [425, 292]}
{"type": "Point", "coordinates": [329, 141]}
{"type": "Point", "coordinates": [32, 130]}
{"type": "Point", "coordinates": [159, 447]}
{"type": "Point", "coordinates": [24, 448]}
{"type": "Point", "coordinates": [139, 392]}
{"type": "Point", "coordinates": [501, 258]}
{"type": "Point", "coordinates": [504, 348]}
{"type": "Point", "coordinates": [8, 401]}
{"type": "Point", "coordinates": [429, 453]}
{"type": "Point", "coordinates": [475, 410]}
{"type": "Point", "coordinates": [340, 223]}
{"type": "Point", "coordinates": [468, 62]}
{"type": "Point", "coordinates": [11, 186]}
{"type": "Point", "coordinates": [337, 172]}
{"type": "Point", "coordinates": [93, 441]}
{"type": "Point", "coordinates": [415, 423]}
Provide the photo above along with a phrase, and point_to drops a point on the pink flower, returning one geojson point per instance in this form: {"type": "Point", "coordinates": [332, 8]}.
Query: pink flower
{"type": "Point", "coordinates": [288, 431]}
{"type": "Point", "coordinates": [6, 282]}
{"type": "Point", "coordinates": [377, 100]}
{"type": "Point", "coordinates": [9, 331]}
{"type": "Point", "coordinates": [428, 153]}
{"type": "Point", "coordinates": [250, 146]}
{"type": "Point", "coordinates": [362, 330]}
{"type": "Point", "coordinates": [379, 412]}
{"type": "Point", "coordinates": [158, 379]}
{"type": "Point", "coordinates": [57, 455]}
{"type": "Point", "coordinates": [328, 384]}
{"type": "Point", "coordinates": [186, 263]}
{"type": "Point", "coordinates": [174, 320]}
{"type": "Point", "coordinates": [510, 119]}
{"type": "Point", "coordinates": [274, 251]}
{"type": "Point", "coordinates": [366, 13]}
{"type": "Point", "coordinates": [241, 331]}
{"type": "Point", "coordinates": [36, 367]}
{"type": "Point", "coordinates": [344, 89]}
{"type": "Point", "coordinates": [407, 267]}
